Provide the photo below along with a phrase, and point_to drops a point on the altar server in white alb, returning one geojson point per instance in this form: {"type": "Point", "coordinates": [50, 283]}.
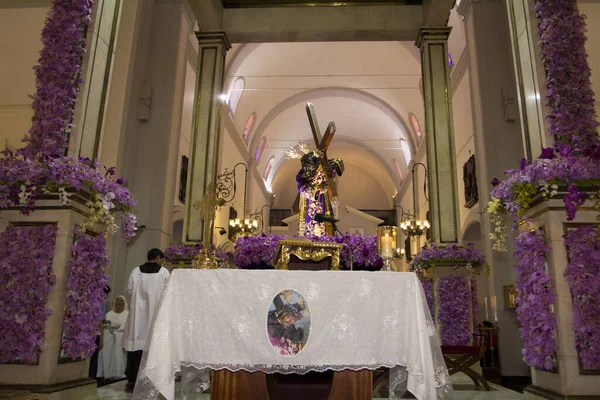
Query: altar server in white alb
{"type": "Point", "coordinates": [144, 289]}
{"type": "Point", "coordinates": [111, 360]}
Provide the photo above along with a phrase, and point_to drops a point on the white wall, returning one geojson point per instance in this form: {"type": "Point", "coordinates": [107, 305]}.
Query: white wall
{"type": "Point", "coordinates": [463, 138]}
{"type": "Point", "coordinates": [186, 125]}
{"type": "Point", "coordinates": [20, 31]}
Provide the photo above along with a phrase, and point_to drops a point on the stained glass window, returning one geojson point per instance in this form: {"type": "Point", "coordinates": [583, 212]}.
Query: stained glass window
{"type": "Point", "coordinates": [249, 126]}
{"type": "Point", "coordinates": [416, 128]}
{"type": "Point", "coordinates": [269, 167]}
{"type": "Point", "coordinates": [260, 148]}
{"type": "Point", "coordinates": [399, 170]}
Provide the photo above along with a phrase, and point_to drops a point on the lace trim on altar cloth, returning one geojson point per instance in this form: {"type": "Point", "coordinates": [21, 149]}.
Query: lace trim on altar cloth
{"type": "Point", "coordinates": [195, 378]}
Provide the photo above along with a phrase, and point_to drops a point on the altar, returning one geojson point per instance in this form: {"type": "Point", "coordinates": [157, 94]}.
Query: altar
{"type": "Point", "coordinates": [282, 321]}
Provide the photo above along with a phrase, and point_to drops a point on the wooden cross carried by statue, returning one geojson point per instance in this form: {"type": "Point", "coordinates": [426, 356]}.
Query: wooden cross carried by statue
{"type": "Point", "coordinates": [322, 144]}
{"type": "Point", "coordinates": [316, 184]}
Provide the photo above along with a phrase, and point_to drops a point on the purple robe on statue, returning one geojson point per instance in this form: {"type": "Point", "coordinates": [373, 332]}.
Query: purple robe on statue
{"type": "Point", "coordinates": [314, 203]}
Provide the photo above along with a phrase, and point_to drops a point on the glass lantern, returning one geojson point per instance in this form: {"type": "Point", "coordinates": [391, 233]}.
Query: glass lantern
{"type": "Point", "coordinates": [386, 244]}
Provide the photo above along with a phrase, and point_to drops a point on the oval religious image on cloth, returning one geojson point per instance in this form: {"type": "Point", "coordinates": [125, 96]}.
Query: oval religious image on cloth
{"type": "Point", "coordinates": [288, 323]}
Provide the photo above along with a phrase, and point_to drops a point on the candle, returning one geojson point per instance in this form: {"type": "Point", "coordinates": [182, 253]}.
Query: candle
{"type": "Point", "coordinates": [386, 246]}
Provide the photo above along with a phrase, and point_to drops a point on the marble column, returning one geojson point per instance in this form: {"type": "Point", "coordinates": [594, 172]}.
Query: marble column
{"type": "Point", "coordinates": [569, 380]}
{"type": "Point", "coordinates": [204, 151]}
{"type": "Point", "coordinates": [498, 147]}
{"type": "Point", "coordinates": [441, 155]}
{"type": "Point", "coordinates": [151, 128]}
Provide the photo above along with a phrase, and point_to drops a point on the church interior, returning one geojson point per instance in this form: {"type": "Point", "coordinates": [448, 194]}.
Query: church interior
{"type": "Point", "coordinates": [270, 149]}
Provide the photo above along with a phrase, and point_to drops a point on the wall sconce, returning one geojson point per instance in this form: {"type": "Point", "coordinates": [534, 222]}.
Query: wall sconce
{"type": "Point", "coordinates": [226, 191]}
{"type": "Point", "coordinates": [227, 186]}
{"type": "Point", "coordinates": [510, 297]}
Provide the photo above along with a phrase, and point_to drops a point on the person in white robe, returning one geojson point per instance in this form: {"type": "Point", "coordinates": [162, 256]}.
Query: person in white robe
{"type": "Point", "coordinates": [112, 357]}
{"type": "Point", "coordinates": [144, 290]}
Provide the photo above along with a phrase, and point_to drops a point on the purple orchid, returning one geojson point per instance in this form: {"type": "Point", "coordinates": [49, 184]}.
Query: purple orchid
{"type": "Point", "coordinates": [26, 277]}
{"type": "Point", "coordinates": [85, 294]}
{"type": "Point", "coordinates": [548, 153]}
{"type": "Point", "coordinates": [260, 250]}
{"type": "Point", "coordinates": [435, 253]}
{"type": "Point", "coordinates": [454, 316]}
{"type": "Point", "coordinates": [535, 301]}
{"type": "Point", "coordinates": [583, 277]}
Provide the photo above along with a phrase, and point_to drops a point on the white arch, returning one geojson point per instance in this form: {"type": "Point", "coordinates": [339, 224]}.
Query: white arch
{"type": "Point", "coordinates": [334, 91]}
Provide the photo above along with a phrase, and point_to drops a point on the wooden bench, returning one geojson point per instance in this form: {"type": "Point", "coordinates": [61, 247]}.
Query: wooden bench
{"type": "Point", "coordinates": [462, 358]}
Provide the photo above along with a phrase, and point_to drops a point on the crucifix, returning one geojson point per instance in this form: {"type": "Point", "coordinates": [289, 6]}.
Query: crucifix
{"type": "Point", "coordinates": [322, 144]}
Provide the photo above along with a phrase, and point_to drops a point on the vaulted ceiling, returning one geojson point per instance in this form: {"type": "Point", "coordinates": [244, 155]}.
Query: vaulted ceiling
{"type": "Point", "coordinates": [367, 88]}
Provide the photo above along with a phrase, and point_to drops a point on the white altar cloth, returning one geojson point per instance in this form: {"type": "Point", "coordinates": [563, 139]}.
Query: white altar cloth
{"type": "Point", "coordinates": [218, 319]}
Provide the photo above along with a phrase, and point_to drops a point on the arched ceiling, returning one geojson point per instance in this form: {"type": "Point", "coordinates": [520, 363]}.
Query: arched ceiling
{"type": "Point", "coordinates": [367, 88]}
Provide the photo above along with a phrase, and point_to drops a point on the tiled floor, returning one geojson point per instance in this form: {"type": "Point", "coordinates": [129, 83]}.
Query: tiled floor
{"type": "Point", "coordinates": [116, 391]}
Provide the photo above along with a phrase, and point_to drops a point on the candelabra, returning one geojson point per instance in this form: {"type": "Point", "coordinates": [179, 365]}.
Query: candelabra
{"type": "Point", "coordinates": [412, 226]}
{"type": "Point", "coordinates": [415, 227]}
{"type": "Point", "coordinates": [244, 227]}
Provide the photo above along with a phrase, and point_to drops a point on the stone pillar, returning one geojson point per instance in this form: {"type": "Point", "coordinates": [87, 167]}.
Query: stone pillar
{"type": "Point", "coordinates": [441, 155]}
{"type": "Point", "coordinates": [569, 380]}
{"type": "Point", "coordinates": [531, 75]}
{"type": "Point", "coordinates": [498, 147]}
{"type": "Point", "coordinates": [204, 151]}
{"type": "Point", "coordinates": [53, 377]}
{"type": "Point", "coordinates": [149, 154]}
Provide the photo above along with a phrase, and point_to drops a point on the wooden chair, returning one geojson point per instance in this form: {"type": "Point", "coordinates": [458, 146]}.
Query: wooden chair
{"type": "Point", "coordinates": [464, 357]}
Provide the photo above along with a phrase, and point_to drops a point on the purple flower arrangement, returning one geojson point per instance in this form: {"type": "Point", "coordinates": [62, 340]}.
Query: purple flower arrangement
{"type": "Point", "coordinates": [58, 77]}
{"type": "Point", "coordinates": [256, 250]}
{"type": "Point", "coordinates": [573, 161]}
{"type": "Point", "coordinates": [474, 302]}
{"type": "Point", "coordinates": [182, 252]}
{"type": "Point", "coordinates": [454, 314]}
{"type": "Point", "coordinates": [535, 301]}
{"type": "Point", "coordinates": [260, 250]}
{"type": "Point", "coordinates": [24, 180]}
{"type": "Point", "coordinates": [572, 119]}
{"type": "Point", "coordinates": [436, 254]}
{"type": "Point", "coordinates": [517, 192]}
{"type": "Point", "coordinates": [41, 168]}
{"type": "Point", "coordinates": [26, 277]}
{"type": "Point", "coordinates": [85, 294]}
{"type": "Point", "coordinates": [583, 277]}
{"type": "Point", "coordinates": [571, 165]}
